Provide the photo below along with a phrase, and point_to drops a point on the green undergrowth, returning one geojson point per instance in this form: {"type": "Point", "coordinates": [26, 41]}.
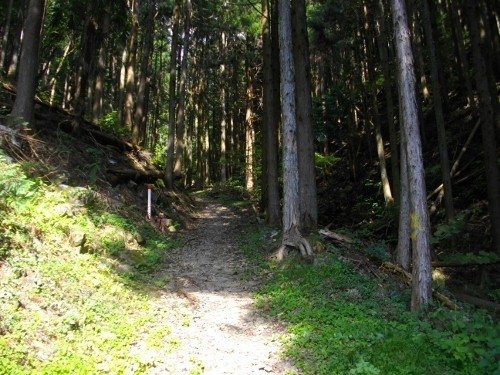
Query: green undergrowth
{"type": "Point", "coordinates": [341, 321]}
{"type": "Point", "coordinates": [232, 193]}
{"type": "Point", "coordinates": [77, 295]}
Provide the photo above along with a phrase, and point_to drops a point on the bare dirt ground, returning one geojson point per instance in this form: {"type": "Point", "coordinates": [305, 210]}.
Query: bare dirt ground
{"type": "Point", "coordinates": [213, 314]}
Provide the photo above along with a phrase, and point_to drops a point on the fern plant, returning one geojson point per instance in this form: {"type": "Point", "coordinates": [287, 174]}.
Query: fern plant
{"type": "Point", "coordinates": [15, 186]}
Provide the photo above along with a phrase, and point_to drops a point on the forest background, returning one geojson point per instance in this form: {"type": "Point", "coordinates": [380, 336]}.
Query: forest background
{"type": "Point", "coordinates": [197, 84]}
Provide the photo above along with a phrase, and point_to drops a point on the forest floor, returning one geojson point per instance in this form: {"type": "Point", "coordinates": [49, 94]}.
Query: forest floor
{"type": "Point", "coordinates": [212, 307]}
{"type": "Point", "coordinates": [207, 283]}
{"type": "Point", "coordinates": [189, 302]}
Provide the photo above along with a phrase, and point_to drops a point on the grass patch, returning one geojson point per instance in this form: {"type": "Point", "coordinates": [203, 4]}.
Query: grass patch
{"type": "Point", "coordinates": [342, 322]}
{"type": "Point", "coordinates": [76, 291]}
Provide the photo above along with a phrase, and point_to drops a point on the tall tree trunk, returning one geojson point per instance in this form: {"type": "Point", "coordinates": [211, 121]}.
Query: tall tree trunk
{"type": "Point", "coordinates": [249, 130]}
{"type": "Point", "coordinates": [463, 61]}
{"type": "Point", "coordinates": [206, 150]}
{"type": "Point", "coordinates": [382, 42]}
{"type": "Point", "coordinates": [23, 109]}
{"type": "Point", "coordinates": [384, 177]}
{"type": "Point", "coordinates": [233, 126]}
{"type": "Point", "coordinates": [438, 110]}
{"type": "Point", "coordinates": [418, 59]}
{"type": "Point", "coordinates": [85, 64]}
{"type": "Point", "coordinates": [121, 85]}
{"type": "Point", "coordinates": [490, 40]}
{"type": "Point", "coordinates": [101, 70]}
{"type": "Point", "coordinates": [5, 37]}
{"type": "Point", "coordinates": [131, 66]}
{"type": "Point", "coordinates": [488, 120]}
{"type": "Point", "coordinates": [291, 214]}
{"type": "Point", "coordinates": [223, 109]}
{"type": "Point", "coordinates": [275, 46]}
{"type": "Point", "coordinates": [270, 186]}
{"type": "Point", "coordinates": [375, 115]}
{"type": "Point", "coordinates": [403, 250]}
{"type": "Point", "coordinates": [141, 107]}
{"type": "Point", "coordinates": [16, 45]}
{"type": "Point", "coordinates": [54, 81]}
{"type": "Point", "coordinates": [422, 272]}
{"type": "Point", "coordinates": [291, 210]}
{"type": "Point", "coordinates": [200, 139]}
{"type": "Point", "coordinates": [305, 145]}
{"type": "Point", "coordinates": [169, 173]}
{"type": "Point", "coordinates": [153, 133]}
{"type": "Point", "coordinates": [180, 119]}
{"type": "Point", "coordinates": [66, 91]}
{"type": "Point", "coordinates": [188, 180]}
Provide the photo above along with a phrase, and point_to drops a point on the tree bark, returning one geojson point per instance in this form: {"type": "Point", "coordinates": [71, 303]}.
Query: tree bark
{"type": "Point", "coordinates": [438, 110]}
{"type": "Point", "coordinates": [5, 37]}
{"type": "Point", "coordinates": [131, 66]}
{"type": "Point", "coordinates": [291, 214]}
{"type": "Point", "coordinates": [463, 61]}
{"type": "Point", "coordinates": [270, 160]}
{"type": "Point", "coordinates": [249, 125]}
{"type": "Point", "coordinates": [305, 142]}
{"type": "Point", "coordinates": [382, 41]}
{"type": "Point", "coordinates": [101, 69]}
{"type": "Point", "coordinates": [141, 107]}
{"type": "Point", "coordinates": [403, 250]}
{"type": "Point", "coordinates": [180, 119]}
{"type": "Point", "coordinates": [422, 272]}
{"type": "Point", "coordinates": [375, 114]}
{"type": "Point", "coordinates": [169, 173]}
{"type": "Point", "coordinates": [16, 44]}
{"type": "Point", "coordinates": [23, 109]}
{"type": "Point", "coordinates": [487, 116]}
{"type": "Point", "coordinates": [223, 109]}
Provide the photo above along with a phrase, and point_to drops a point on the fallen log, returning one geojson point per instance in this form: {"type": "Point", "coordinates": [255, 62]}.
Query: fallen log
{"type": "Point", "coordinates": [437, 264]}
{"type": "Point", "coordinates": [337, 238]}
{"type": "Point", "coordinates": [473, 300]}
{"type": "Point", "coordinates": [136, 175]}
{"type": "Point", "coordinates": [108, 139]}
{"type": "Point", "coordinates": [407, 278]}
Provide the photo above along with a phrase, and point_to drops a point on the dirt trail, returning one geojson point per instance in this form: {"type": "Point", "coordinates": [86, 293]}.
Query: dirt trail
{"type": "Point", "coordinates": [213, 314]}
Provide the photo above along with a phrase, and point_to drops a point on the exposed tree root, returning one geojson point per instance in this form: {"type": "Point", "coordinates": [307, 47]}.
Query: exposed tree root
{"type": "Point", "coordinates": [293, 240]}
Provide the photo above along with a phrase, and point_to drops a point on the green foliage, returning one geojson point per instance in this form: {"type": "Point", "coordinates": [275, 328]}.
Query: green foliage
{"type": "Point", "coordinates": [94, 164]}
{"type": "Point", "coordinates": [159, 155]}
{"type": "Point", "coordinates": [483, 257]}
{"type": "Point", "coordinates": [110, 123]}
{"type": "Point", "coordinates": [494, 295]}
{"type": "Point", "coordinates": [198, 367]}
{"type": "Point", "coordinates": [378, 251]}
{"type": "Point", "coordinates": [330, 112]}
{"type": "Point", "coordinates": [342, 322]}
{"type": "Point", "coordinates": [325, 163]}
{"type": "Point", "coordinates": [63, 310]}
{"type": "Point", "coordinates": [448, 230]}
{"type": "Point", "coordinates": [15, 186]}
{"type": "Point", "coordinates": [465, 338]}
{"type": "Point", "coordinates": [365, 368]}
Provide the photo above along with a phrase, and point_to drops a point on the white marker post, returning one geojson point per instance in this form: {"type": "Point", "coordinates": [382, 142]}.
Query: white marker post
{"type": "Point", "coordinates": [149, 201]}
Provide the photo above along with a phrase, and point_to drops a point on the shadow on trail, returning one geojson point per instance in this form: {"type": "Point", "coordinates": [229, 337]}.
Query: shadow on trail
{"type": "Point", "coordinates": [210, 295]}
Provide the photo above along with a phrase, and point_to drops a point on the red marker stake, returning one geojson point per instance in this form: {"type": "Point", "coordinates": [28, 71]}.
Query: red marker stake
{"type": "Point", "coordinates": [149, 201]}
